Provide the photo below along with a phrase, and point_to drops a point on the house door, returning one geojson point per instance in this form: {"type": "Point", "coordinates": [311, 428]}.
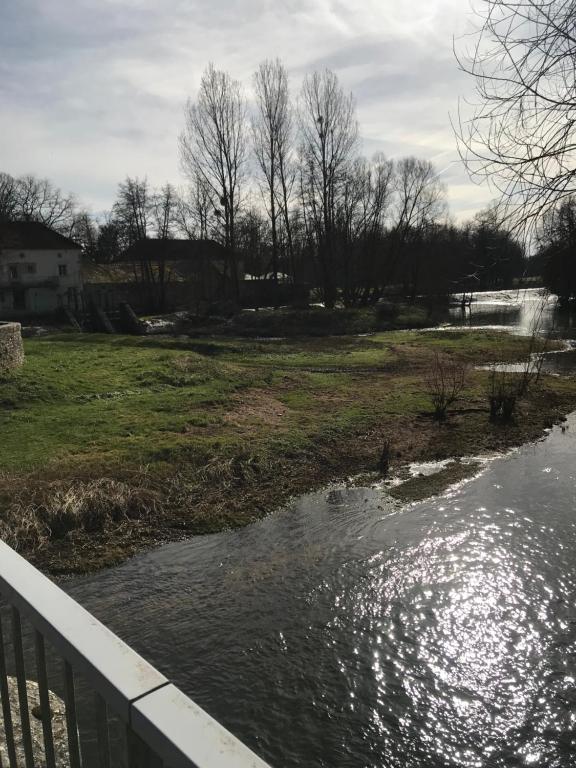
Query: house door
{"type": "Point", "coordinates": [19, 298]}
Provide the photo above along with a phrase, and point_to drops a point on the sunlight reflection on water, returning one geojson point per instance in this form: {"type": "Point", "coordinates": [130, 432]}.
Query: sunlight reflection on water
{"type": "Point", "coordinates": [346, 631]}
{"type": "Point", "coordinates": [517, 310]}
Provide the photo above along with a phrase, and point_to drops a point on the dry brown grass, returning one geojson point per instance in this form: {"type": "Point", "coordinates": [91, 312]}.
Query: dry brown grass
{"type": "Point", "coordinates": [256, 404]}
{"type": "Point", "coordinates": [56, 509]}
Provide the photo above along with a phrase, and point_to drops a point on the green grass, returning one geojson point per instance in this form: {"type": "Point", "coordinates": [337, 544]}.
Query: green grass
{"type": "Point", "coordinates": [107, 399]}
{"type": "Point", "coordinates": [142, 437]}
{"type": "Point", "coordinates": [87, 402]}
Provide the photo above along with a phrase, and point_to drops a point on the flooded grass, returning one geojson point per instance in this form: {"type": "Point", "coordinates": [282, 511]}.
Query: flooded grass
{"type": "Point", "coordinates": [425, 485]}
{"type": "Point", "coordinates": [171, 436]}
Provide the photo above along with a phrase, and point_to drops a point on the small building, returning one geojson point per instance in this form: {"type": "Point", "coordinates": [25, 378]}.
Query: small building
{"type": "Point", "coordinates": [40, 270]}
{"type": "Point", "coordinates": [202, 264]}
{"type": "Point", "coordinates": [161, 275]}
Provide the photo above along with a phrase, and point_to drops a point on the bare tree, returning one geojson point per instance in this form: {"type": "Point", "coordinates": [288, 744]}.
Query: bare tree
{"type": "Point", "coordinates": [164, 205]}
{"type": "Point", "coordinates": [32, 199]}
{"type": "Point", "coordinates": [495, 250]}
{"type": "Point", "coordinates": [287, 174]}
{"type": "Point", "coordinates": [557, 246]}
{"type": "Point", "coordinates": [8, 196]}
{"type": "Point", "coordinates": [254, 237]}
{"type": "Point", "coordinates": [213, 148]}
{"type": "Point", "coordinates": [363, 208]}
{"type": "Point", "coordinates": [420, 194]}
{"type": "Point", "coordinates": [132, 215]}
{"type": "Point", "coordinates": [272, 133]}
{"type": "Point", "coordinates": [138, 213]}
{"type": "Point", "coordinates": [381, 197]}
{"type": "Point", "coordinates": [329, 139]}
{"type": "Point", "coordinates": [194, 211]}
{"type": "Point", "coordinates": [521, 132]}
{"type": "Point", "coordinates": [85, 232]}
{"type": "Point", "coordinates": [133, 209]}
{"type": "Point", "coordinates": [108, 243]}
{"type": "Point", "coordinates": [419, 204]}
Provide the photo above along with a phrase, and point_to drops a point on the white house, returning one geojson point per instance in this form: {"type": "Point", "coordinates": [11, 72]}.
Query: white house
{"type": "Point", "coordinates": [40, 270]}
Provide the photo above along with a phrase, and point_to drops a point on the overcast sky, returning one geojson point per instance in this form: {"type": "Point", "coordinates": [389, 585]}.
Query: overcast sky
{"type": "Point", "coordinates": [93, 90]}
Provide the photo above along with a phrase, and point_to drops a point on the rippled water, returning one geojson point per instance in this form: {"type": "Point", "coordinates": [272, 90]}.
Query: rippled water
{"type": "Point", "coordinates": [517, 310]}
{"type": "Point", "coordinates": [348, 631]}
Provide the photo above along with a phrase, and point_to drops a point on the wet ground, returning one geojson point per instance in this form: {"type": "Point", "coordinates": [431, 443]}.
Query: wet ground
{"type": "Point", "coordinates": [349, 630]}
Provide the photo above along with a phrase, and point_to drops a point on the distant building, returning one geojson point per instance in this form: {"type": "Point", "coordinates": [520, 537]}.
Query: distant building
{"type": "Point", "coordinates": [203, 264]}
{"type": "Point", "coordinates": [40, 270]}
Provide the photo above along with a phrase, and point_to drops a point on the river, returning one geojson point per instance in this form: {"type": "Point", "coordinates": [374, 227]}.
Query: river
{"type": "Point", "coordinates": [518, 311]}
{"type": "Point", "coordinates": [346, 630]}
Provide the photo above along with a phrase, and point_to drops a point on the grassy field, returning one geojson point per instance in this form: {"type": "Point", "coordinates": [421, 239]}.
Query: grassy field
{"type": "Point", "coordinates": [110, 443]}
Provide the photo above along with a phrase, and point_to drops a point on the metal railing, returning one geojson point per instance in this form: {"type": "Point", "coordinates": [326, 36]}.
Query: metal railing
{"type": "Point", "coordinates": [162, 727]}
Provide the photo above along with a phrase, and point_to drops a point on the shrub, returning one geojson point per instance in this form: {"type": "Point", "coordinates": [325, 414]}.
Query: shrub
{"type": "Point", "coordinates": [503, 394]}
{"type": "Point", "coordinates": [445, 381]}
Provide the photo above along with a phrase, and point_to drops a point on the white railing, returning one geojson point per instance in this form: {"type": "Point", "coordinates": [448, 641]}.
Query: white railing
{"type": "Point", "coordinates": [163, 727]}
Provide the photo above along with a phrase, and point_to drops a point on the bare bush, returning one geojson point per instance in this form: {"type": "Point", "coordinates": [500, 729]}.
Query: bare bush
{"type": "Point", "coordinates": [503, 395]}
{"type": "Point", "coordinates": [445, 381]}
{"type": "Point", "coordinates": [506, 387]}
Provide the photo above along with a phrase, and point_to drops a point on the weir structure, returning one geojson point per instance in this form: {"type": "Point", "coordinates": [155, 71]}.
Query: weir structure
{"type": "Point", "coordinates": [133, 716]}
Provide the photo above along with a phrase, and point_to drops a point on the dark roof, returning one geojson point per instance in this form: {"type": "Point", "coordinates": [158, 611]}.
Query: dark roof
{"type": "Point", "coordinates": [152, 249]}
{"type": "Point", "coordinates": [32, 235]}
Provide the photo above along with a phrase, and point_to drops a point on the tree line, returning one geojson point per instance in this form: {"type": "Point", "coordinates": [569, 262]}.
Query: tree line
{"type": "Point", "coordinates": [280, 182]}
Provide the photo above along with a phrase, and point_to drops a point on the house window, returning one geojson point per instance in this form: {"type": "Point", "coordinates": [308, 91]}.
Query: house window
{"type": "Point", "coordinates": [13, 271]}
{"type": "Point", "coordinates": [22, 255]}
{"type": "Point", "coordinates": [62, 270]}
{"type": "Point", "coordinates": [30, 269]}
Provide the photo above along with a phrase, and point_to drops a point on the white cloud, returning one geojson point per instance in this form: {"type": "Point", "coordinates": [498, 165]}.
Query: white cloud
{"type": "Point", "coordinates": [92, 90]}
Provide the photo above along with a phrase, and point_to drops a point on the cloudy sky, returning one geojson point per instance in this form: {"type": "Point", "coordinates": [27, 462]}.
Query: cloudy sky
{"type": "Point", "coordinates": [93, 90]}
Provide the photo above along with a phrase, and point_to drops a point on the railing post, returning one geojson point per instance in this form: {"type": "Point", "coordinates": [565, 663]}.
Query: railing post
{"type": "Point", "coordinates": [44, 697]}
{"type": "Point", "coordinates": [22, 689]}
{"type": "Point", "coordinates": [163, 726]}
{"type": "Point", "coordinates": [102, 731]}
{"type": "Point", "coordinates": [6, 708]}
{"type": "Point", "coordinates": [71, 717]}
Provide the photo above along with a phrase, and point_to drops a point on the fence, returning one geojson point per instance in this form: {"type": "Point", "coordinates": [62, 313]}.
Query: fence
{"type": "Point", "coordinates": [163, 728]}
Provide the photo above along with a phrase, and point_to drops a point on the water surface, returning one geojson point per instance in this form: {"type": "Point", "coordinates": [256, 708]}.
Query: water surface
{"type": "Point", "coordinates": [347, 631]}
{"type": "Point", "coordinates": [520, 311]}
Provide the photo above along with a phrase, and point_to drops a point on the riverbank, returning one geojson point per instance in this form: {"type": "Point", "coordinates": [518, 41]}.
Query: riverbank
{"type": "Point", "coordinates": [113, 444]}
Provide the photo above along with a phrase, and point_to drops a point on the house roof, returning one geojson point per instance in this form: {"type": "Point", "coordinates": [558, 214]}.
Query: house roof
{"type": "Point", "coordinates": [33, 235]}
{"type": "Point", "coordinates": [153, 249]}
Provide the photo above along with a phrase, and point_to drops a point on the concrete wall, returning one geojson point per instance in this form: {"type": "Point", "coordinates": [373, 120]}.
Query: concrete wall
{"type": "Point", "coordinates": [11, 348]}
